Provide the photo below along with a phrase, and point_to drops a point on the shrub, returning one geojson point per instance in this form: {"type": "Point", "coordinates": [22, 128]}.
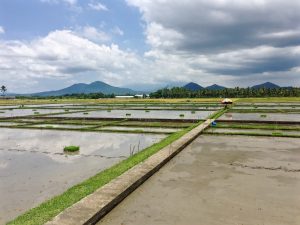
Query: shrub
{"type": "Point", "coordinates": [71, 148]}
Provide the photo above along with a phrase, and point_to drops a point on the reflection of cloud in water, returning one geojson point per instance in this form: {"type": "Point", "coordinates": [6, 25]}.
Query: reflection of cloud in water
{"type": "Point", "coordinates": [52, 143]}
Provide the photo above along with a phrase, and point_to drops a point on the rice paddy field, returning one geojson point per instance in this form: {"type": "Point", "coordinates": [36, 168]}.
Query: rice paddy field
{"type": "Point", "coordinates": [34, 168]}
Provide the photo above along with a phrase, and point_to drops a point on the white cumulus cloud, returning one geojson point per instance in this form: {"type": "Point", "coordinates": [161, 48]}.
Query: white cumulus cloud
{"type": "Point", "coordinates": [2, 30]}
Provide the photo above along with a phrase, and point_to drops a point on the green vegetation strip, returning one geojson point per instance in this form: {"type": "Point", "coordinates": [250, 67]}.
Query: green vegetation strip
{"type": "Point", "coordinates": [54, 206]}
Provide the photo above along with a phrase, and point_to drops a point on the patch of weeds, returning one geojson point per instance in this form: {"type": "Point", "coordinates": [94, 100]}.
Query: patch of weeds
{"type": "Point", "coordinates": [66, 110]}
{"type": "Point", "coordinates": [71, 148]}
{"type": "Point", "coordinates": [36, 113]}
{"type": "Point", "coordinates": [193, 112]}
{"type": "Point", "coordinates": [128, 114]}
{"type": "Point", "coordinates": [263, 116]}
{"type": "Point", "coordinates": [277, 134]}
{"type": "Point", "coordinates": [85, 113]}
{"type": "Point", "coordinates": [49, 127]}
{"type": "Point", "coordinates": [181, 115]}
{"type": "Point", "coordinates": [147, 111]}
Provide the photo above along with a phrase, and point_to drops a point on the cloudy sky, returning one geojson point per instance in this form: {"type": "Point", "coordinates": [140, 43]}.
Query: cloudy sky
{"type": "Point", "coordinates": [50, 44]}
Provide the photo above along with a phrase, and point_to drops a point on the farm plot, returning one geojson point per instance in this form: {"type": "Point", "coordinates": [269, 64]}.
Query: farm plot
{"type": "Point", "coordinates": [34, 167]}
{"type": "Point", "coordinates": [141, 114]}
{"type": "Point", "coordinates": [293, 117]}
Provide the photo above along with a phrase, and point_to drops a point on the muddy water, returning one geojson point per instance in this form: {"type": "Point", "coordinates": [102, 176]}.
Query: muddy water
{"type": "Point", "coordinates": [60, 126]}
{"type": "Point", "coordinates": [257, 131]}
{"type": "Point", "coordinates": [260, 117]}
{"type": "Point", "coordinates": [227, 180]}
{"type": "Point", "coordinates": [33, 167]}
{"type": "Point", "coordinates": [27, 112]}
{"type": "Point", "coordinates": [157, 114]}
{"type": "Point", "coordinates": [154, 129]}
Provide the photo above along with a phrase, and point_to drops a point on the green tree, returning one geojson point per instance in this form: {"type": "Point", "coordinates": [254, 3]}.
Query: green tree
{"type": "Point", "coordinates": [3, 90]}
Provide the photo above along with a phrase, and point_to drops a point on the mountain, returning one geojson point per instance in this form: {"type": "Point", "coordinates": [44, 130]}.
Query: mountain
{"type": "Point", "coordinates": [94, 87]}
{"type": "Point", "coordinates": [192, 86]}
{"type": "Point", "coordinates": [215, 87]}
{"type": "Point", "coordinates": [267, 85]}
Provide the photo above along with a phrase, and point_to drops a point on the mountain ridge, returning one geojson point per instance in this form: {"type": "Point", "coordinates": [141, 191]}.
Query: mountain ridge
{"type": "Point", "coordinates": [82, 88]}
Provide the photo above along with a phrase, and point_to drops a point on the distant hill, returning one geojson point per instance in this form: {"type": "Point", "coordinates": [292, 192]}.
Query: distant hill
{"type": "Point", "coordinates": [267, 85]}
{"type": "Point", "coordinates": [215, 87]}
{"type": "Point", "coordinates": [94, 87]}
{"type": "Point", "coordinates": [193, 86]}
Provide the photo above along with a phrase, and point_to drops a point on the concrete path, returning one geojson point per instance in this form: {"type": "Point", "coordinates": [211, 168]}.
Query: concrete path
{"type": "Point", "coordinates": [224, 180]}
{"type": "Point", "coordinates": [90, 209]}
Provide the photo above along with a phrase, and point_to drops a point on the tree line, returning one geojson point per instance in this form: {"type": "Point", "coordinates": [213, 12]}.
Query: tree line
{"type": "Point", "coordinates": [179, 92]}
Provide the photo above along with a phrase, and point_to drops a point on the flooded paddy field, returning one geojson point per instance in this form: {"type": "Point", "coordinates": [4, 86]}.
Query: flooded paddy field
{"type": "Point", "coordinates": [142, 129]}
{"type": "Point", "coordinates": [155, 114]}
{"type": "Point", "coordinates": [228, 179]}
{"type": "Point", "coordinates": [34, 167]}
{"type": "Point", "coordinates": [27, 112]}
{"type": "Point", "coordinates": [268, 107]}
{"type": "Point", "coordinates": [66, 126]}
{"type": "Point", "coordinates": [293, 117]}
{"type": "Point", "coordinates": [273, 132]}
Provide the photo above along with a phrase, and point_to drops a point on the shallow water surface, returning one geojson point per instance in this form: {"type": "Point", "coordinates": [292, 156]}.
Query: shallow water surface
{"type": "Point", "coordinates": [155, 114]}
{"type": "Point", "coordinates": [34, 168]}
{"type": "Point", "coordinates": [262, 116]}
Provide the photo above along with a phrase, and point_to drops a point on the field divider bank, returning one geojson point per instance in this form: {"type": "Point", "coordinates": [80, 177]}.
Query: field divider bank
{"type": "Point", "coordinates": [95, 206]}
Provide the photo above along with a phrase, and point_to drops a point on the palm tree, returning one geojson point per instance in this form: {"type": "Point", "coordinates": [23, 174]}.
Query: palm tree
{"type": "Point", "coordinates": [3, 90]}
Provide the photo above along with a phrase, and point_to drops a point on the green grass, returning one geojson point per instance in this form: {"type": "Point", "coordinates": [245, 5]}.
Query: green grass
{"type": "Point", "coordinates": [181, 115]}
{"type": "Point", "coordinates": [263, 116]}
{"type": "Point", "coordinates": [71, 148]}
{"type": "Point", "coordinates": [49, 209]}
{"type": "Point", "coordinates": [270, 99]}
{"type": "Point", "coordinates": [277, 134]}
